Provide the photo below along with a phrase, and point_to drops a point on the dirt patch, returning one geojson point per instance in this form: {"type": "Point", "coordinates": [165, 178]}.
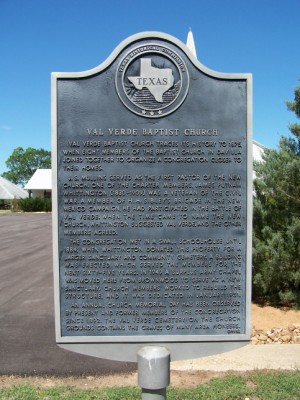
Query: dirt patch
{"type": "Point", "coordinates": [178, 379]}
{"type": "Point", "coordinates": [267, 317]}
{"type": "Point", "coordinates": [263, 318]}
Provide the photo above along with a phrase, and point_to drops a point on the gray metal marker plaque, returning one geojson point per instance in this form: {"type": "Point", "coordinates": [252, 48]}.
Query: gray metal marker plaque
{"type": "Point", "coordinates": [152, 175]}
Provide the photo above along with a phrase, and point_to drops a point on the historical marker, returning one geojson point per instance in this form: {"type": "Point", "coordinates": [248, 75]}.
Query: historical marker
{"type": "Point", "coordinates": [152, 174]}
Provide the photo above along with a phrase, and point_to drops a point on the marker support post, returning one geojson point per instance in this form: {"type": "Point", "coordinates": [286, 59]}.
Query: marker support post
{"type": "Point", "coordinates": [153, 372]}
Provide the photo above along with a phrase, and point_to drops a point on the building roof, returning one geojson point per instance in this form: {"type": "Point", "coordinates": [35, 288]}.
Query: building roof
{"type": "Point", "coordinates": [258, 150]}
{"type": "Point", "coordinates": [40, 180]}
{"type": "Point", "coordinates": [9, 190]}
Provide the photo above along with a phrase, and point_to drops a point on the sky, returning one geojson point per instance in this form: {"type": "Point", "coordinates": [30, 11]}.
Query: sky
{"type": "Point", "coordinates": [38, 37]}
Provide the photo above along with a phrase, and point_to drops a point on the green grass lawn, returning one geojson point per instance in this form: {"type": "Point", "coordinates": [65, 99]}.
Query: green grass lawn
{"type": "Point", "coordinates": [252, 386]}
{"type": "Point", "coordinates": [5, 212]}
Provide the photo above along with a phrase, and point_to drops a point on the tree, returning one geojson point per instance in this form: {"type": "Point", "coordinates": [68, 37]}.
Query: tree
{"type": "Point", "coordinates": [276, 219]}
{"type": "Point", "coordinates": [23, 163]}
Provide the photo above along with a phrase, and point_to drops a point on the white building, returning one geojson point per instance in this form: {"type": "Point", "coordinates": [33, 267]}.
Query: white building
{"type": "Point", "coordinates": [258, 150]}
{"type": "Point", "coordinates": [40, 184]}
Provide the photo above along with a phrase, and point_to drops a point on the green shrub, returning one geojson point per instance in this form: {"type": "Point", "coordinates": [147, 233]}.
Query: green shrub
{"type": "Point", "coordinates": [35, 204]}
{"type": "Point", "coordinates": [14, 205]}
{"type": "Point", "coordinates": [276, 219]}
{"type": "Point", "coordinates": [5, 204]}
